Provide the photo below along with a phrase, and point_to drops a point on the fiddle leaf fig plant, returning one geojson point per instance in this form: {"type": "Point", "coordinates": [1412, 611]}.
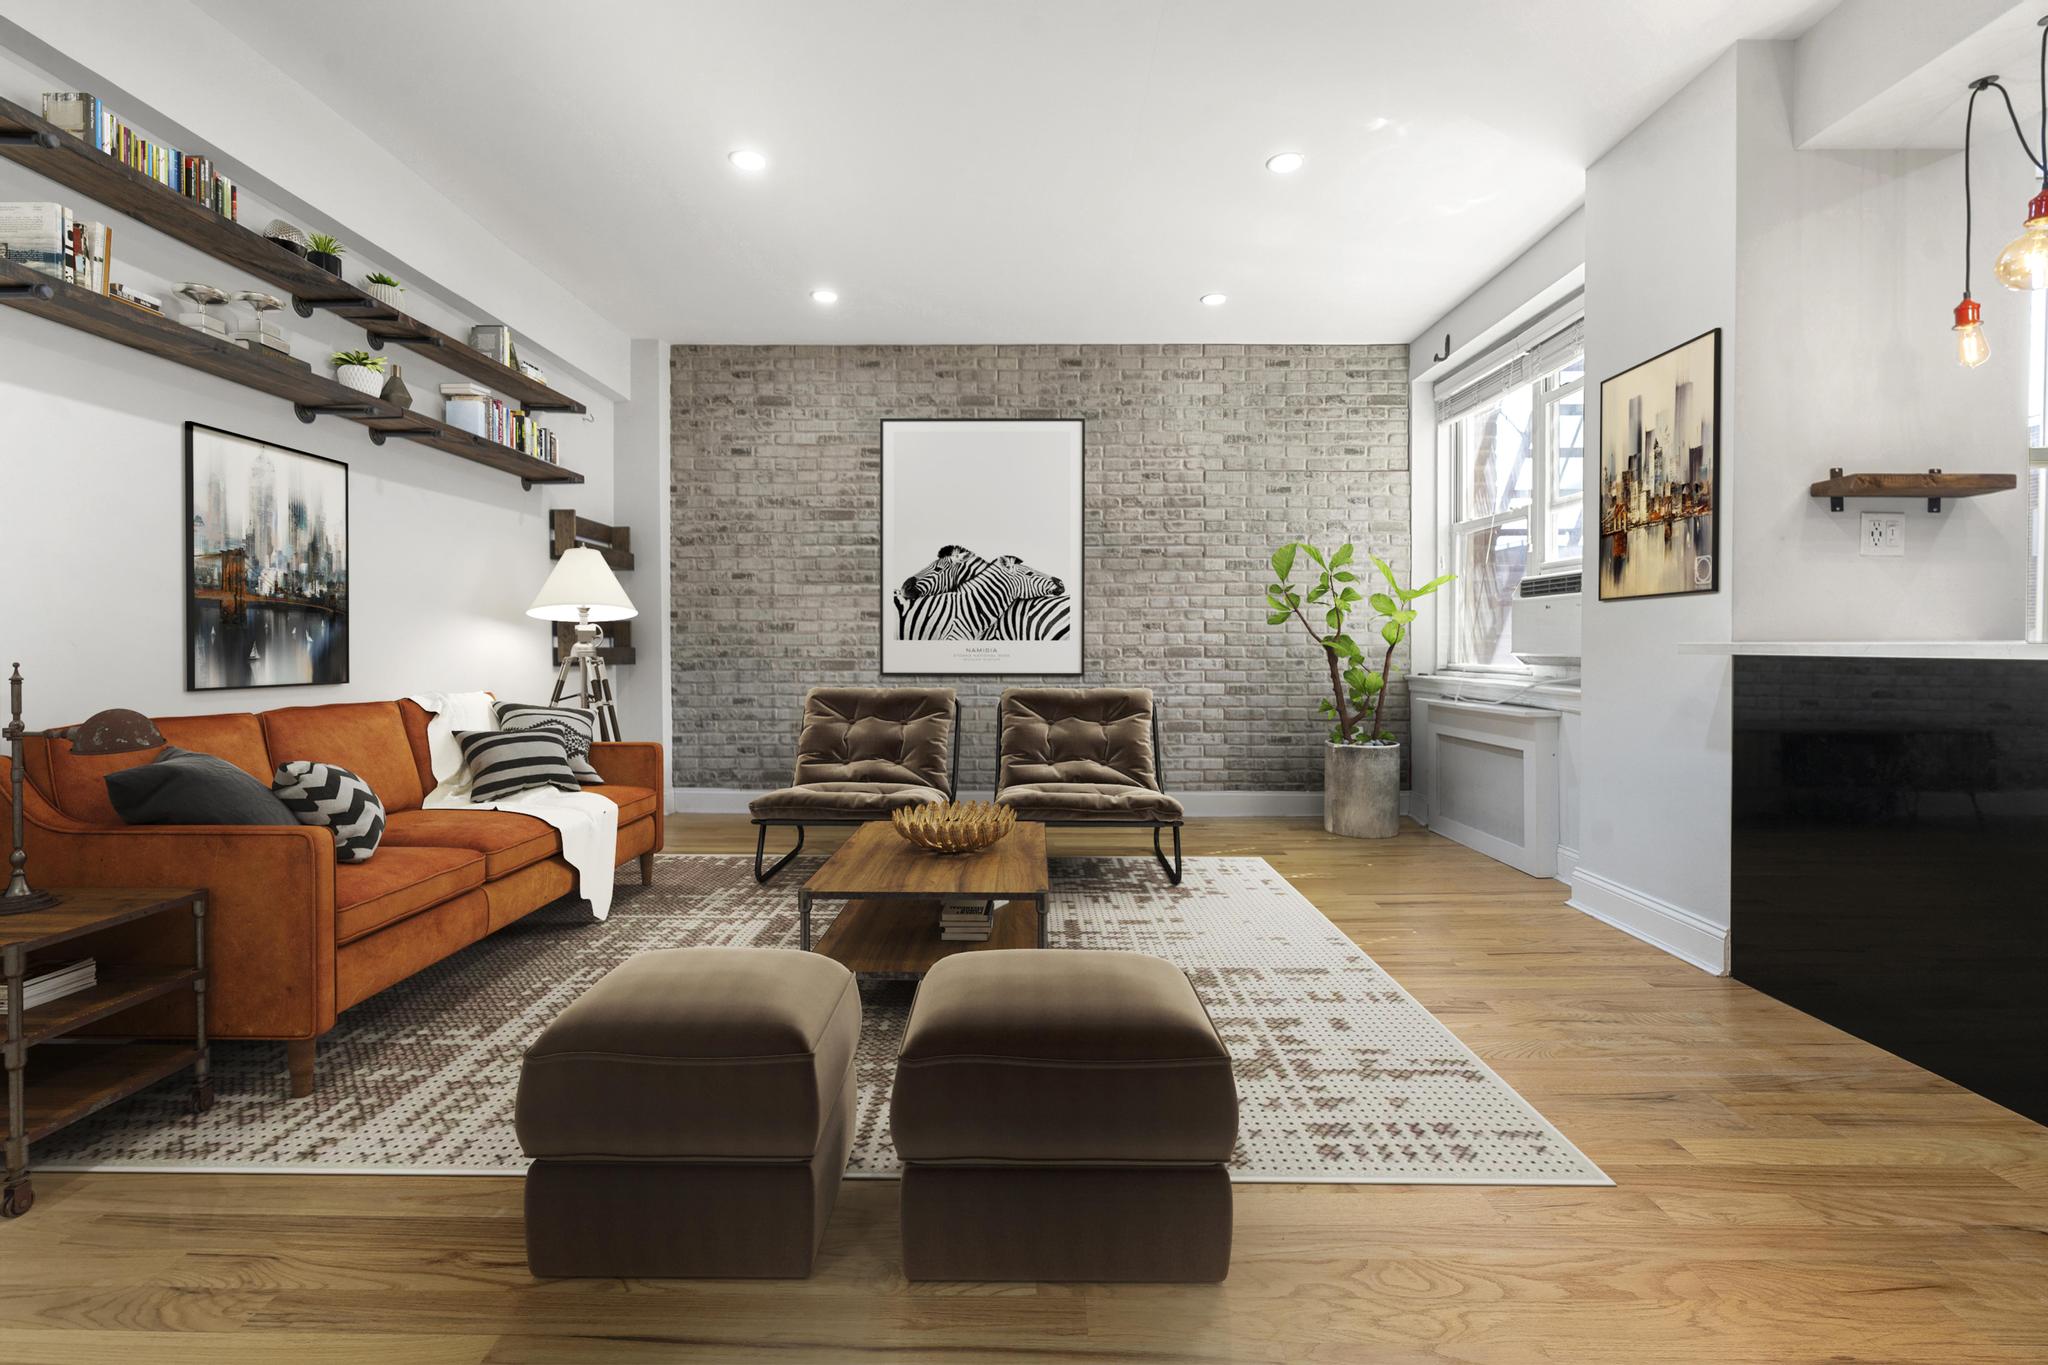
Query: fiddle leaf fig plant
{"type": "Point", "coordinates": [1358, 691]}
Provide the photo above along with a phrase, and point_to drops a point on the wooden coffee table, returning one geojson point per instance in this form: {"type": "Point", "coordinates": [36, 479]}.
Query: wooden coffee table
{"type": "Point", "coordinates": [890, 928]}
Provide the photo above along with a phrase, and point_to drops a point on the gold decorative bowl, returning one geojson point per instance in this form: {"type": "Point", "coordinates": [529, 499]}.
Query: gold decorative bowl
{"type": "Point", "coordinates": [955, 827]}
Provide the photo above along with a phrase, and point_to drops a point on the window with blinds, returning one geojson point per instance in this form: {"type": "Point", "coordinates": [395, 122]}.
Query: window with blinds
{"type": "Point", "coordinates": [1511, 442]}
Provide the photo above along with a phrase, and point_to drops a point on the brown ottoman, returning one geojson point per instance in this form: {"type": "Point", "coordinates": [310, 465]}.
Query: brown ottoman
{"type": "Point", "coordinates": [691, 1116]}
{"type": "Point", "coordinates": [1063, 1115]}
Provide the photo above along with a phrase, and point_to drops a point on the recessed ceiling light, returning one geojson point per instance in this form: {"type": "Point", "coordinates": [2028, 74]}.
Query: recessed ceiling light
{"type": "Point", "coordinates": [1215, 300]}
{"type": "Point", "coordinates": [824, 296]}
{"type": "Point", "coordinates": [747, 159]}
{"type": "Point", "coordinates": [1285, 163]}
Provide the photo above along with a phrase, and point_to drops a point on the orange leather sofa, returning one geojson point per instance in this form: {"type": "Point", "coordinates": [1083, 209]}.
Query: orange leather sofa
{"type": "Point", "coordinates": [294, 938]}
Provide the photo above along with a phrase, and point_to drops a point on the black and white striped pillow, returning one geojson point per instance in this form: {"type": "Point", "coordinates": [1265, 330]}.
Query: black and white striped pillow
{"type": "Point", "coordinates": [576, 728]}
{"type": "Point", "coordinates": [503, 763]}
{"type": "Point", "coordinates": [322, 794]}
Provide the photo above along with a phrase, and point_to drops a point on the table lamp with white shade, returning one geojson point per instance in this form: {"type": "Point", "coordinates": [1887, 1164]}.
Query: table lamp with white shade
{"type": "Point", "coordinates": [584, 590]}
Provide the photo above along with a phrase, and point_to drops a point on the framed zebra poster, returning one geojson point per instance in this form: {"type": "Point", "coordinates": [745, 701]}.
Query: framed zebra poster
{"type": "Point", "coordinates": [981, 546]}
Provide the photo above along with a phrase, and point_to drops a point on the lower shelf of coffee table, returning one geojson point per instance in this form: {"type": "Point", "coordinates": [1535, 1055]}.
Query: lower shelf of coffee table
{"type": "Point", "coordinates": [901, 937]}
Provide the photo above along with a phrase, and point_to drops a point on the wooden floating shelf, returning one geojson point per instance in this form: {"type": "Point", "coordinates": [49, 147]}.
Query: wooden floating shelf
{"type": "Point", "coordinates": [44, 148]}
{"type": "Point", "coordinates": [1933, 486]}
{"type": "Point", "coordinates": [310, 394]}
{"type": "Point", "coordinates": [566, 531]}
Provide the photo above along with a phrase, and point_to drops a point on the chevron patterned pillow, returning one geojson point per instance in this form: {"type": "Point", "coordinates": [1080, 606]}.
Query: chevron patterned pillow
{"type": "Point", "coordinates": [575, 726]}
{"type": "Point", "coordinates": [322, 794]}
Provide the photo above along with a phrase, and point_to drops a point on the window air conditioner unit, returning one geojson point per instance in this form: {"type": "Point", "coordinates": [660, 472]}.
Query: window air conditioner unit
{"type": "Point", "coordinates": [1544, 619]}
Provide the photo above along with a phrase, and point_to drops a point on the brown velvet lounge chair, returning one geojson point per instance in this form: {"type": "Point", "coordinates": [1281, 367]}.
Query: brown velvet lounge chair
{"type": "Point", "coordinates": [862, 753]}
{"type": "Point", "coordinates": [1087, 757]}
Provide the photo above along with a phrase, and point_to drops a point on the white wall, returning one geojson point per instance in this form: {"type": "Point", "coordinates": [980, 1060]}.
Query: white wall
{"type": "Point", "coordinates": [444, 555]}
{"type": "Point", "coordinates": [1654, 743]}
{"type": "Point", "coordinates": [1851, 263]}
{"type": "Point", "coordinates": [641, 501]}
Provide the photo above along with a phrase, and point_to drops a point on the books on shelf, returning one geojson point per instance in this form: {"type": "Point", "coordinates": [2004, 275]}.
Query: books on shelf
{"type": "Point", "coordinates": [149, 303]}
{"type": "Point", "coordinates": [56, 982]}
{"type": "Point", "coordinates": [494, 339]}
{"type": "Point", "coordinates": [476, 410]}
{"type": "Point", "coordinates": [49, 238]}
{"type": "Point", "coordinates": [193, 176]}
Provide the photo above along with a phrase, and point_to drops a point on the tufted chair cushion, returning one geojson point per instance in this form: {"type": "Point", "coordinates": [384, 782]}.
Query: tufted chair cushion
{"type": "Point", "coordinates": [877, 735]}
{"type": "Point", "coordinates": [1096, 735]}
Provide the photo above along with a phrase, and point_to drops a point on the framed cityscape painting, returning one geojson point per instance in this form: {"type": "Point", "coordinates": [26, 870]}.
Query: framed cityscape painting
{"type": "Point", "coordinates": [266, 565]}
{"type": "Point", "coordinates": [1660, 474]}
{"type": "Point", "coordinates": [981, 546]}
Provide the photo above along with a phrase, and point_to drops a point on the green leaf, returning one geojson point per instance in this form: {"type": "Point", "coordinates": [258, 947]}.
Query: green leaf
{"type": "Point", "coordinates": [1392, 632]}
{"type": "Point", "coordinates": [1334, 618]}
{"type": "Point", "coordinates": [1318, 593]}
{"type": "Point", "coordinates": [1343, 555]}
{"type": "Point", "coordinates": [1278, 618]}
{"type": "Point", "coordinates": [1406, 614]}
{"type": "Point", "coordinates": [1348, 596]}
{"type": "Point", "coordinates": [1314, 553]}
{"type": "Point", "coordinates": [1293, 600]}
{"type": "Point", "coordinates": [1383, 604]}
{"type": "Point", "coordinates": [1373, 685]}
{"type": "Point", "coordinates": [1354, 678]}
{"type": "Point", "coordinates": [1345, 646]}
{"type": "Point", "coordinates": [1346, 576]}
{"type": "Point", "coordinates": [1283, 562]}
{"type": "Point", "coordinates": [1386, 573]}
{"type": "Point", "coordinates": [1431, 586]}
{"type": "Point", "coordinates": [1328, 707]}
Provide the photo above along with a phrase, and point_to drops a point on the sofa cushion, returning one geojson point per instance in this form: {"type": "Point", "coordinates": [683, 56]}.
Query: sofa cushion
{"type": "Point", "coordinates": [1055, 801]}
{"type": "Point", "coordinates": [324, 794]}
{"type": "Point", "coordinates": [77, 783]}
{"type": "Point", "coordinates": [733, 1053]}
{"type": "Point", "coordinates": [841, 800]}
{"type": "Point", "coordinates": [399, 882]}
{"type": "Point", "coordinates": [1077, 734]}
{"type": "Point", "coordinates": [634, 802]}
{"type": "Point", "coordinates": [508, 840]}
{"type": "Point", "coordinates": [179, 787]}
{"type": "Point", "coordinates": [501, 764]}
{"type": "Point", "coordinates": [575, 726]}
{"type": "Point", "coordinates": [1076, 1055]}
{"type": "Point", "coordinates": [367, 738]}
{"type": "Point", "coordinates": [899, 735]}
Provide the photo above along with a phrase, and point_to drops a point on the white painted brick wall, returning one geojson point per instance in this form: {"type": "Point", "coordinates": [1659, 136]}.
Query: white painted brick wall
{"type": "Point", "coordinates": [1200, 460]}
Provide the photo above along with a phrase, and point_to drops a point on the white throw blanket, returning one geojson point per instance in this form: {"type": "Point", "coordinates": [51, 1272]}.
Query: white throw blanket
{"type": "Point", "coordinates": [587, 822]}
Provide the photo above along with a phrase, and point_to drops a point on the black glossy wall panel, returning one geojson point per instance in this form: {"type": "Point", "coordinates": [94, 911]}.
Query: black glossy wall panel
{"type": "Point", "coordinates": [1891, 857]}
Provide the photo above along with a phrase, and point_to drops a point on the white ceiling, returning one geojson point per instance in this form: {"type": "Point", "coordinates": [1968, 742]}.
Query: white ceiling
{"type": "Point", "coordinates": [1030, 170]}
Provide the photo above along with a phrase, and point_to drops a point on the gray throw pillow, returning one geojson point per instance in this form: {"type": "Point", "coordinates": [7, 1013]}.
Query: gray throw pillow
{"type": "Point", "coordinates": [179, 787]}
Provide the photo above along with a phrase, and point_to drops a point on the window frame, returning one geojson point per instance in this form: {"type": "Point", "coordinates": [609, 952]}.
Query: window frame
{"type": "Point", "coordinates": [1540, 511]}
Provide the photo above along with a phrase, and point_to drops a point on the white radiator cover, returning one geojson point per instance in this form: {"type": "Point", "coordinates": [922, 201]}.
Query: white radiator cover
{"type": "Point", "coordinates": [1493, 779]}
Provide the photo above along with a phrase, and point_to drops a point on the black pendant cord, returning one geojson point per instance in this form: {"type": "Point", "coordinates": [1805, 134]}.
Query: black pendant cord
{"type": "Point", "coordinates": [2018, 130]}
{"type": "Point", "coordinates": [1969, 121]}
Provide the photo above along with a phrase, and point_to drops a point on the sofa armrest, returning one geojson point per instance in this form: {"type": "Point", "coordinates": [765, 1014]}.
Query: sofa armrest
{"type": "Point", "coordinates": [636, 763]}
{"type": "Point", "coordinates": [269, 899]}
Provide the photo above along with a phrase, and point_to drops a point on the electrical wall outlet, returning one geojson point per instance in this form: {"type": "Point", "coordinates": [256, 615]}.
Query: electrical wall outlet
{"type": "Point", "coordinates": [1884, 534]}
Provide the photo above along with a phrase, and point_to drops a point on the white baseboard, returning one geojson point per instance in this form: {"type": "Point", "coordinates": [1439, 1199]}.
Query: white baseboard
{"type": "Point", "coordinates": [1208, 805]}
{"type": "Point", "coordinates": [1567, 863]}
{"type": "Point", "coordinates": [1658, 923]}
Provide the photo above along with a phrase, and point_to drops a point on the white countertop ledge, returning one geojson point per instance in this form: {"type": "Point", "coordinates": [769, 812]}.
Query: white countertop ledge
{"type": "Point", "coordinates": [1876, 649]}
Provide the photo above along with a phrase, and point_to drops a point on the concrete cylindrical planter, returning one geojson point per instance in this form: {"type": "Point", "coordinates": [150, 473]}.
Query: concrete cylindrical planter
{"type": "Point", "coordinates": [361, 378]}
{"type": "Point", "coordinates": [1362, 790]}
{"type": "Point", "coordinates": [386, 294]}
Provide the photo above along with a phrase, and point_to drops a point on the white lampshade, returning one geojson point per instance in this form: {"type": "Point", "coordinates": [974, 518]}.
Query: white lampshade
{"type": "Point", "coordinates": [582, 582]}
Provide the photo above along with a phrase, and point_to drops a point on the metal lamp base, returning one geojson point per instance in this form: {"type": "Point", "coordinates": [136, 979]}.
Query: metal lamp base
{"type": "Point", "coordinates": [34, 900]}
{"type": "Point", "coordinates": [596, 694]}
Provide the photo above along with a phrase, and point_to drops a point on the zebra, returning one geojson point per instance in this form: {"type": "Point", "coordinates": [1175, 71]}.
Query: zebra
{"type": "Point", "coordinates": [963, 596]}
{"type": "Point", "coordinates": [1033, 618]}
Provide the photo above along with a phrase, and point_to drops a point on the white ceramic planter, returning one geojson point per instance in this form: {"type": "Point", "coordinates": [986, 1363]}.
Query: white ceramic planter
{"type": "Point", "coordinates": [361, 378]}
{"type": "Point", "coordinates": [1362, 790]}
{"type": "Point", "coordinates": [386, 294]}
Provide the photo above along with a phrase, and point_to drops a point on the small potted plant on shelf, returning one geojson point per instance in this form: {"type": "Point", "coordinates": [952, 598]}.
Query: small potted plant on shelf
{"type": "Point", "coordinates": [359, 370]}
{"type": "Point", "coordinates": [383, 288]}
{"type": "Point", "coordinates": [325, 252]}
{"type": "Point", "coordinates": [1362, 762]}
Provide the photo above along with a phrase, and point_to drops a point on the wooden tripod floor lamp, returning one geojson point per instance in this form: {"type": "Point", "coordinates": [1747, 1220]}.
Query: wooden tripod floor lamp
{"type": "Point", "coordinates": [584, 590]}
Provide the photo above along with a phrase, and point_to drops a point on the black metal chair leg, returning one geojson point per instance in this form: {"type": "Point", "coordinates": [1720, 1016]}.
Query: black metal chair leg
{"type": "Point", "coordinates": [1172, 869]}
{"type": "Point", "coordinates": [761, 851]}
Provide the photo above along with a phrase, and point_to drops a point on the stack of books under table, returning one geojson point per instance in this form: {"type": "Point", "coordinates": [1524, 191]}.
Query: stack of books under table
{"type": "Point", "coordinates": [966, 921]}
{"type": "Point", "coordinates": [55, 982]}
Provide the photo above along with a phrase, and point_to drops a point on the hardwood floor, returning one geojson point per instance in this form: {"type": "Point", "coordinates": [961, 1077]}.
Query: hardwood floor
{"type": "Point", "coordinates": [1783, 1193]}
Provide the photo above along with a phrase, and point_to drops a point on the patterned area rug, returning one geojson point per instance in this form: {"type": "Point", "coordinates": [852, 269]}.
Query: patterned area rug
{"type": "Point", "coordinates": [1342, 1076]}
